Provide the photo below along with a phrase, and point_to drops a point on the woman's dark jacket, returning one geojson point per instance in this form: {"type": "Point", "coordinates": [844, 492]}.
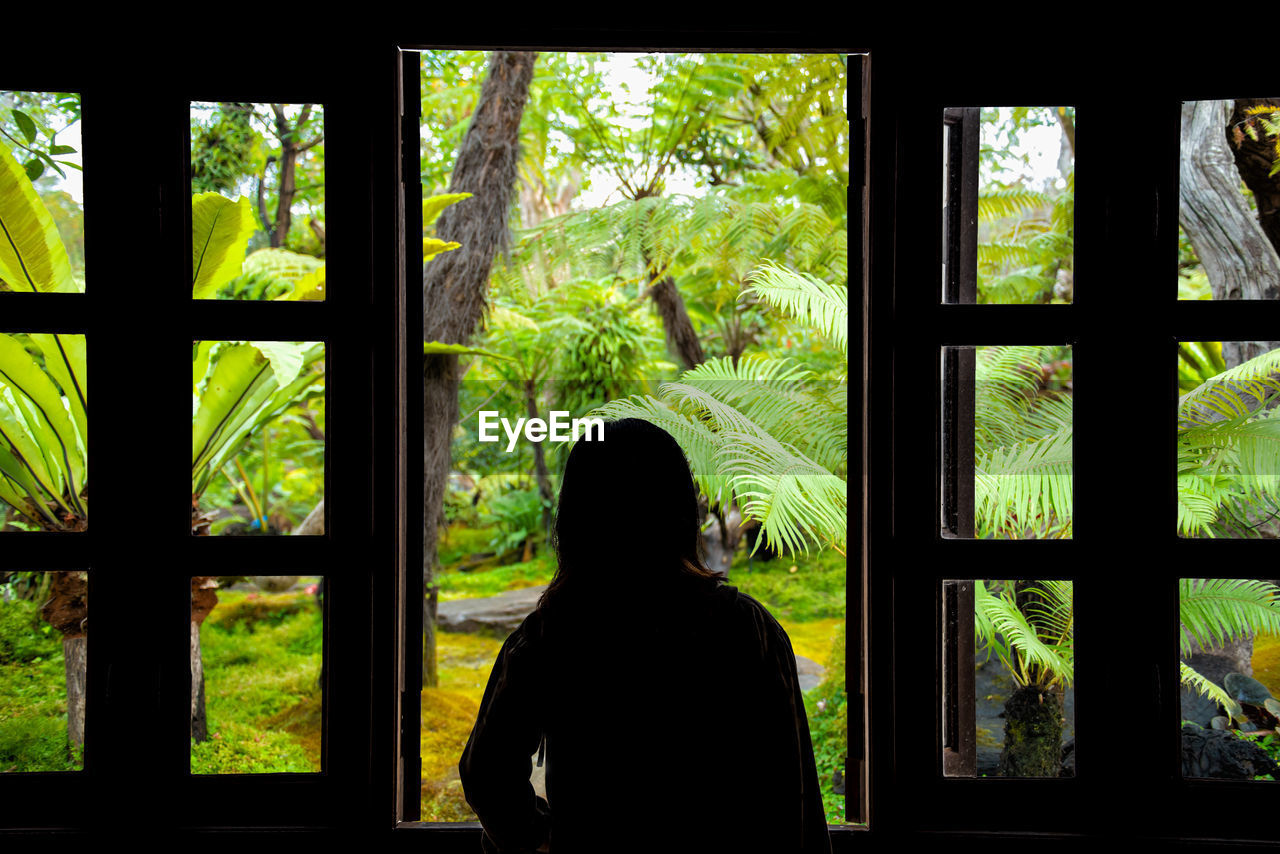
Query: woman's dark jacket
{"type": "Point", "coordinates": [673, 722]}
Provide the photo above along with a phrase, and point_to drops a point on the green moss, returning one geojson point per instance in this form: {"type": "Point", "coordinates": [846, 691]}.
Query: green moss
{"type": "Point", "coordinates": [447, 719]}
{"type": "Point", "coordinates": [24, 635]}
{"type": "Point", "coordinates": [240, 748]}
{"type": "Point", "coordinates": [262, 659]}
{"type": "Point", "coordinates": [458, 543]}
{"type": "Point", "coordinates": [1266, 661]}
{"type": "Point", "coordinates": [826, 707]}
{"type": "Point", "coordinates": [33, 694]}
{"type": "Point", "coordinates": [815, 591]}
{"type": "Point", "coordinates": [491, 582]}
{"type": "Point", "coordinates": [236, 608]}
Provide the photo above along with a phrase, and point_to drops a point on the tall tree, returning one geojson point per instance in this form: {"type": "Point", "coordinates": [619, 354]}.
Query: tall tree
{"type": "Point", "coordinates": [454, 286]}
{"type": "Point", "coordinates": [1239, 260]}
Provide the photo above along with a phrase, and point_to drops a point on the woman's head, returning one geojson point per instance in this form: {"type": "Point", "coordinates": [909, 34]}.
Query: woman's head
{"type": "Point", "coordinates": [628, 510]}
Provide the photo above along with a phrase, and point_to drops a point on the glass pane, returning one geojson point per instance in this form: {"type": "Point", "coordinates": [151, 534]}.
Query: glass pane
{"type": "Point", "coordinates": [1008, 706]}
{"type": "Point", "coordinates": [1006, 438]}
{"type": "Point", "coordinates": [1230, 663]}
{"type": "Point", "coordinates": [1009, 205]}
{"type": "Point", "coordinates": [571, 332]}
{"type": "Point", "coordinates": [258, 442]}
{"type": "Point", "coordinates": [1228, 439]}
{"type": "Point", "coordinates": [44, 430]}
{"type": "Point", "coordinates": [257, 674]}
{"type": "Point", "coordinates": [44, 627]}
{"type": "Point", "coordinates": [1229, 222]}
{"type": "Point", "coordinates": [41, 193]}
{"type": "Point", "coordinates": [257, 201]}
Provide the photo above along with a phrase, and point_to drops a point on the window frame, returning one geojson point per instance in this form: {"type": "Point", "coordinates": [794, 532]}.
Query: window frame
{"type": "Point", "coordinates": [842, 836]}
{"type": "Point", "coordinates": [1126, 219]}
{"type": "Point", "coordinates": [138, 691]}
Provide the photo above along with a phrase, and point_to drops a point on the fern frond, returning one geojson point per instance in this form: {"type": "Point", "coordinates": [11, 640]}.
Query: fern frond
{"type": "Point", "coordinates": [1024, 486]}
{"type": "Point", "coordinates": [1217, 610]}
{"type": "Point", "coordinates": [1009, 201]}
{"type": "Point", "coordinates": [1193, 680]}
{"type": "Point", "coordinates": [1052, 659]}
{"type": "Point", "coordinates": [795, 500]}
{"type": "Point", "coordinates": [810, 300]}
{"type": "Point", "coordinates": [1236, 392]}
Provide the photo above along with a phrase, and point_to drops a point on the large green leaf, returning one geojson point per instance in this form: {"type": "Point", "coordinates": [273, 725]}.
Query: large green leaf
{"type": "Point", "coordinates": [40, 406]}
{"type": "Point", "coordinates": [65, 359]}
{"type": "Point", "coordinates": [240, 395]}
{"type": "Point", "coordinates": [220, 231]}
{"type": "Point", "coordinates": [32, 255]}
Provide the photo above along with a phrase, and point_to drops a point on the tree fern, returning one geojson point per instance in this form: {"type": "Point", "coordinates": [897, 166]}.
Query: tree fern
{"type": "Point", "coordinates": [1229, 450]}
{"type": "Point", "coordinates": [1023, 459]}
{"type": "Point", "coordinates": [763, 432]}
{"type": "Point", "coordinates": [1035, 642]}
{"type": "Point", "coordinates": [818, 304]}
{"type": "Point", "coordinates": [1213, 611]}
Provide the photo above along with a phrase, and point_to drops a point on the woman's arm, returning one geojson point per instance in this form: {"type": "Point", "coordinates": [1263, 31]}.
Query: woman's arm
{"type": "Point", "coordinates": [495, 765]}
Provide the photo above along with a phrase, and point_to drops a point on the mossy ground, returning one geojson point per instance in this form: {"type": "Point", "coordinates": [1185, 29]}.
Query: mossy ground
{"type": "Point", "coordinates": [808, 602]}
{"type": "Point", "coordinates": [262, 657]}
{"type": "Point", "coordinates": [1266, 661]}
{"type": "Point", "coordinates": [33, 695]}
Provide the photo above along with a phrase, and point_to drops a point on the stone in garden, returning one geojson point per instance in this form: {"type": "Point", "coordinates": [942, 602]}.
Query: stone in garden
{"type": "Point", "coordinates": [1246, 689]}
{"type": "Point", "coordinates": [1213, 664]}
{"type": "Point", "coordinates": [500, 615]}
{"type": "Point", "coordinates": [1223, 755]}
{"type": "Point", "coordinates": [810, 673]}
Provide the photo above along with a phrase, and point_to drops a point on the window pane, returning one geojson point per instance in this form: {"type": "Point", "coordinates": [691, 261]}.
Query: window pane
{"type": "Point", "coordinates": [1229, 223]}
{"type": "Point", "coordinates": [1008, 204]}
{"type": "Point", "coordinates": [257, 206]}
{"type": "Point", "coordinates": [721, 231]}
{"type": "Point", "coordinates": [258, 441]}
{"type": "Point", "coordinates": [1008, 706]}
{"type": "Point", "coordinates": [257, 674]}
{"type": "Point", "coordinates": [44, 429]}
{"type": "Point", "coordinates": [1228, 439]}
{"type": "Point", "coordinates": [1007, 442]}
{"type": "Point", "coordinates": [1230, 662]}
{"type": "Point", "coordinates": [44, 625]}
{"type": "Point", "coordinates": [41, 193]}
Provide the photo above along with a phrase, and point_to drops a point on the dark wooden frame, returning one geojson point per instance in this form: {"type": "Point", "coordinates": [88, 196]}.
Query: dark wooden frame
{"type": "Point", "coordinates": [1128, 786]}
{"type": "Point", "coordinates": [1123, 327]}
{"type": "Point", "coordinates": [411, 582]}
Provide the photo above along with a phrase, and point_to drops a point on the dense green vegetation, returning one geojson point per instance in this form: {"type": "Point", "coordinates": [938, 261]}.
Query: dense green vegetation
{"type": "Point", "coordinates": [33, 697]}
{"type": "Point", "coordinates": [679, 255]}
{"type": "Point", "coordinates": [262, 655]}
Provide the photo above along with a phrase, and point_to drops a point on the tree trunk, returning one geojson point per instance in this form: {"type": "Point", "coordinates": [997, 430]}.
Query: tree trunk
{"type": "Point", "coordinates": [204, 598]}
{"type": "Point", "coordinates": [1032, 733]}
{"type": "Point", "coordinates": [1238, 258]}
{"type": "Point", "coordinates": [67, 610]}
{"type": "Point", "coordinates": [1253, 159]}
{"type": "Point", "coordinates": [454, 286]}
{"type": "Point", "coordinates": [75, 659]}
{"type": "Point", "coordinates": [313, 525]}
{"type": "Point", "coordinates": [545, 492]}
{"type": "Point", "coordinates": [681, 339]}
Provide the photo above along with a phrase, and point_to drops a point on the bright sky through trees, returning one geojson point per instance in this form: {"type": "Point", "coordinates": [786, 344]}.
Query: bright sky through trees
{"type": "Point", "coordinates": [620, 71]}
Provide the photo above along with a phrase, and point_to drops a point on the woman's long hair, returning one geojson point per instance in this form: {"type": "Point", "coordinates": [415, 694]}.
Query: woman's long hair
{"type": "Point", "coordinates": [627, 515]}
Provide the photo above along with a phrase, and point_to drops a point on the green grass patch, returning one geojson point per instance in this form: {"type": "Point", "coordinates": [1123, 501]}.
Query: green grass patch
{"type": "Point", "coordinates": [826, 707]}
{"type": "Point", "coordinates": [458, 542]}
{"type": "Point", "coordinates": [33, 694]}
{"type": "Point", "coordinates": [491, 582]}
{"type": "Point", "coordinates": [262, 657]}
{"type": "Point", "coordinates": [813, 591]}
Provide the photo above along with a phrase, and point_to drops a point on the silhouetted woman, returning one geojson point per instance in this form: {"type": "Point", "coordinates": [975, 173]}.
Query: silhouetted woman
{"type": "Point", "coordinates": [665, 701]}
